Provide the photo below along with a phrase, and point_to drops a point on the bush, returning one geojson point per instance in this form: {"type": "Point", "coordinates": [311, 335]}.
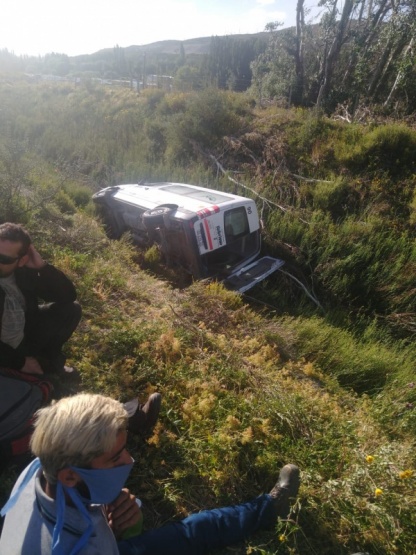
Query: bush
{"type": "Point", "coordinates": [79, 194]}
{"type": "Point", "coordinates": [336, 352]}
{"type": "Point", "coordinates": [338, 197]}
{"type": "Point", "coordinates": [209, 116]}
{"type": "Point", "coordinates": [388, 149]}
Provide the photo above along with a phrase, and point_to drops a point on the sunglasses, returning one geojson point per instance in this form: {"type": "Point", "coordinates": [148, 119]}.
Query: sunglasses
{"type": "Point", "coordinates": [8, 259]}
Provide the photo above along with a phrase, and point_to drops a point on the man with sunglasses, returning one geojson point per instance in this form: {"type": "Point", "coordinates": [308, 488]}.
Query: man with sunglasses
{"type": "Point", "coordinates": [32, 335]}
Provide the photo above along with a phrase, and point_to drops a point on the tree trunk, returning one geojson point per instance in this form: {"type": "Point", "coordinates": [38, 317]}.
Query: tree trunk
{"type": "Point", "coordinates": [389, 56]}
{"type": "Point", "coordinates": [299, 53]}
{"type": "Point", "coordinates": [399, 75]}
{"type": "Point", "coordinates": [334, 51]}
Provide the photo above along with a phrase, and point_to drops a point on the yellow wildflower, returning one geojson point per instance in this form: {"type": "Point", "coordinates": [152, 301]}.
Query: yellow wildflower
{"type": "Point", "coordinates": [282, 538]}
{"type": "Point", "coordinates": [378, 492]}
{"type": "Point", "coordinates": [406, 474]}
{"type": "Point", "coordinates": [369, 459]}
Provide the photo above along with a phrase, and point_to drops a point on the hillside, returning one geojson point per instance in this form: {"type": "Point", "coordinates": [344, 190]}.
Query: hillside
{"type": "Point", "coordinates": [196, 46]}
{"type": "Point", "coordinates": [207, 58]}
{"type": "Point", "coordinates": [249, 383]}
{"type": "Point", "coordinates": [218, 441]}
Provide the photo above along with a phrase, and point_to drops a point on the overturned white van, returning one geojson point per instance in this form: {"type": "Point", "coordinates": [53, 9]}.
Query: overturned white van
{"type": "Point", "coordinates": [209, 233]}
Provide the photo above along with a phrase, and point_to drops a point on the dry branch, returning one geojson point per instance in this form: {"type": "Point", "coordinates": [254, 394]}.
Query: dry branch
{"type": "Point", "coordinates": [226, 173]}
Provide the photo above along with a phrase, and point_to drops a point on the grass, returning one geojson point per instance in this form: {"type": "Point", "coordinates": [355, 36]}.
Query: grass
{"type": "Point", "coordinates": [245, 389]}
{"type": "Point", "coordinates": [244, 392]}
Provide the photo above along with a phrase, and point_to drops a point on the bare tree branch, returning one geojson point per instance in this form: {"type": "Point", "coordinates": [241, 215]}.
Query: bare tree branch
{"type": "Point", "coordinates": [318, 304]}
{"type": "Point", "coordinates": [226, 173]}
{"type": "Point", "coordinates": [309, 179]}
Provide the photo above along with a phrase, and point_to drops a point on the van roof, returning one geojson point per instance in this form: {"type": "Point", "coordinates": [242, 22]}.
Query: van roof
{"type": "Point", "coordinates": [188, 197]}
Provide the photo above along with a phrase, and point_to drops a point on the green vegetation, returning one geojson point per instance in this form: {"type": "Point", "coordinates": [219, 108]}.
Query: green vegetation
{"type": "Point", "coordinates": [248, 383]}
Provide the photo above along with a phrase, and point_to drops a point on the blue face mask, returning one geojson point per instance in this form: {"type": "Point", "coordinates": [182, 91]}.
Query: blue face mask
{"type": "Point", "coordinates": [104, 484]}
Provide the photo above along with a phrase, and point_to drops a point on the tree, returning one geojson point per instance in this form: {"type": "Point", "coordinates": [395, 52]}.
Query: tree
{"type": "Point", "coordinates": [57, 64]}
{"type": "Point", "coordinates": [338, 30]}
{"type": "Point", "coordinates": [188, 78]}
{"type": "Point", "coordinates": [299, 59]}
{"type": "Point", "coordinates": [361, 52]}
{"type": "Point", "coordinates": [229, 62]}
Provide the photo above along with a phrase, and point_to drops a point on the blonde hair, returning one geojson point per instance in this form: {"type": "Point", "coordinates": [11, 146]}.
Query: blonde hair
{"type": "Point", "coordinates": [75, 430]}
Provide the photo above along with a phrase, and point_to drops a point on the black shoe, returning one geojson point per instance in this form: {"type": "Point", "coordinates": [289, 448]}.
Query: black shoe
{"type": "Point", "coordinates": [286, 488]}
{"type": "Point", "coordinates": [144, 419]}
{"type": "Point", "coordinates": [66, 381]}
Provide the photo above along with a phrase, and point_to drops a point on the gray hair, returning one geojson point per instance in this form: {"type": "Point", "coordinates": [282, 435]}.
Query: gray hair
{"type": "Point", "coordinates": [75, 430]}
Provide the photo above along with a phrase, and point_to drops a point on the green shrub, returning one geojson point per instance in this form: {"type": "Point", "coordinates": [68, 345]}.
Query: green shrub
{"type": "Point", "coordinates": [79, 194]}
{"type": "Point", "coordinates": [64, 202]}
{"type": "Point", "coordinates": [209, 116]}
{"type": "Point", "coordinates": [152, 256]}
{"type": "Point", "coordinates": [362, 366]}
{"type": "Point", "coordinates": [338, 197]}
{"type": "Point", "coordinates": [387, 149]}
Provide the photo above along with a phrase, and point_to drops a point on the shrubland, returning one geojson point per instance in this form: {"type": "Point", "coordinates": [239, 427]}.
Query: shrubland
{"type": "Point", "coordinates": [249, 383]}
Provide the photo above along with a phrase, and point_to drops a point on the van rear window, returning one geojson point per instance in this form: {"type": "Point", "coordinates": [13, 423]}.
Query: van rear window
{"type": "Point", "coordinates": [235, 223]}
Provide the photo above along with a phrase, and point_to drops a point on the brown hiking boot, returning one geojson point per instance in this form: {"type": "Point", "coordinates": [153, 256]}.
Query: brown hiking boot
{"type": "Point", "coordinates": [286, 488]}
{"type": "Point", "coordinates": [144, 419]}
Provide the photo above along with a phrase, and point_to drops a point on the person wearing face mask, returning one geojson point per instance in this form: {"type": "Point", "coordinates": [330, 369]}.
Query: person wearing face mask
{"type": "Point", "coordinates": [71, 499]}
{"type": "Point", "coordinates": [32, 335]}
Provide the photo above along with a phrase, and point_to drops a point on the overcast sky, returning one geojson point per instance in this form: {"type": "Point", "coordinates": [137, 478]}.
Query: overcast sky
{"type": "Point", "coordinates": [38, 27]}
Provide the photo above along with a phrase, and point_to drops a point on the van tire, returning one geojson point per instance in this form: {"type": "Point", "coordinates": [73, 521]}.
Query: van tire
{"type": "Point", "coordinates": [158, 217]}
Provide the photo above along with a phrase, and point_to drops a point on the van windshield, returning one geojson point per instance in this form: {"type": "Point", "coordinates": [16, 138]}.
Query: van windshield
{"type": "Point", "coordinates": [240, 247]}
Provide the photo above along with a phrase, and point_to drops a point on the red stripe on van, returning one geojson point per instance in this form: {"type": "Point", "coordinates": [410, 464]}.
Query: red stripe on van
{"type": "Point", "coordinates": [205, 212]}
{"type": "Point", "coordinates": [207, 231]}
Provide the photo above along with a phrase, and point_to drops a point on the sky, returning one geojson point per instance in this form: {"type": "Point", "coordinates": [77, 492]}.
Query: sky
{"type": "Point", "coordinates": [73, 27]}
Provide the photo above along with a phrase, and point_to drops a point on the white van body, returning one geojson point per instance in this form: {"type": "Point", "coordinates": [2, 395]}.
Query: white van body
{"type": "Point", "coordinates": [209, 233]}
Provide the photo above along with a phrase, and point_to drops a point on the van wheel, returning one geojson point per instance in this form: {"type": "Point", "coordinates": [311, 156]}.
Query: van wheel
{"type": "Point", "coordinates": [158, 216]}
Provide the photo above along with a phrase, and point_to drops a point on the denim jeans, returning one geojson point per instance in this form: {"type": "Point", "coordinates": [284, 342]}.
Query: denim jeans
{"type": "Point", "coordinates": [205, 531]}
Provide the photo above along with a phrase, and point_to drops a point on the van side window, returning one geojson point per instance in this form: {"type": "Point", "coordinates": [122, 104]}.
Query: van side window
{"type": "Point", "coordinates": [235, 223]}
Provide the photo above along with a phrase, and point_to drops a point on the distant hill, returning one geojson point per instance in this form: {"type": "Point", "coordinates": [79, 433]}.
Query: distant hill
{"type": "Point", "coordinates": [196, 46]}
{"type": "Point", "coordinates": [229, 55]}
{"type": "Point", "coordinates": [218, 60]}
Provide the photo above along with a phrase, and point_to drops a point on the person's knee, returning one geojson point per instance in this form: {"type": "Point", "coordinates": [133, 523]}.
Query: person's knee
{"type": "Point", "coordinates": [68, 311]}
{"type": "Point", "coordinates": [65, 317]}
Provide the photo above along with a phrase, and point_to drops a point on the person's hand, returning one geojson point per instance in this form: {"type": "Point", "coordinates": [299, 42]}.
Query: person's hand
{"type": "Point", "coordinates": [123, 512]}
{"type": "Point", "coordinates": [34, 259]}
{"type": "Point", "coordinates": [31, 366]}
